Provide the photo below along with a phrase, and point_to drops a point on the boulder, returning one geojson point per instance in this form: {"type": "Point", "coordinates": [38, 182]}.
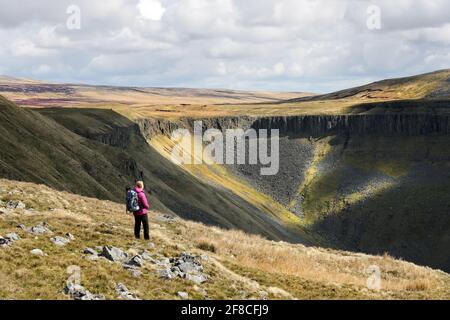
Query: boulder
{"type": "Point", "coordinates": [136, 273]}
{"type": "Point", "coordinates": [60, 241]}
{"type": "Point", "coordinates": [37, 252]}
{"type": "Point", "coordinates": [196, 278]}
{"type": "Point", "coordinates": [166, 274]}
{"type": "Point", "coordinates": [183, 295]}
{"type": "Point", "coordinates": [78, 292]}
{"type": "Point", "coordinates": [147, 256]}
{"type": "Point", "coordinates": [184, 266]}
{"type": "Point", "coordinates": [124, 294]}
{"type": "Point", "coordinates": [9, 239]}
{"type": "Point", "coordinates": [114, 254]}
{"type": "Point", "coordinates": [136, 261]}
{"type": "Point", "coordinates": [11, 204]}
{"type": "Point", "coordinates": [39, 229]}
{"type": "Point", "coordinates": [70, 236]}
{"type": "Point", "coordinates": [90, 251]}
{"type": "Point", "coordinates": [12, 237]}
{"type": "Point", "coordinates": [4, 242]}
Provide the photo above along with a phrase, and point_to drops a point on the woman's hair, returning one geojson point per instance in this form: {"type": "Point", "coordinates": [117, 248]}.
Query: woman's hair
{"type": "Point", "coordinates": [140, 184]}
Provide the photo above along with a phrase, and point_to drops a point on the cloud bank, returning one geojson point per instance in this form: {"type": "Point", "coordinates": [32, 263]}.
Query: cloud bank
{"type": "Point", "coordinates": [288, 45]}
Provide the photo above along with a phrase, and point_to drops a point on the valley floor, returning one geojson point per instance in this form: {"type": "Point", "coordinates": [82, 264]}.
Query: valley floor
{"type": "Point", "coordinates": [236, 265]}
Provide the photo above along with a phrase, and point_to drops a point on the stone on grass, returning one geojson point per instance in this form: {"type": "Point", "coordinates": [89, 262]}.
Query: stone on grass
{"type": "Point", "coordinates": [11, 204]}
{"type": "Point", "coordinates": [39, 229]}
{"type": "Point", "coordinates": [166, 274]}
{"type": "Point", "coordinates": [90, 251]}
{"type": "Point", "coordinates": [183, 295]}
{"type": "Point", "coordinates": [136, 261]}
{"type": "Point", "coordinates": [184, 266]}
{"type": "Point", "coordinates": [37, 252]}
{"type": "Point", "coordinates": [4, 242]}
{"type": "Point", "coordinates": [114, 254]}
{"type": "Point", "coordinates": [9, 239]}
{"type": "Point", "coordinates": [124, 294]}
{"type": "Point", "coordinates": [136, 273]}
{"type": "Point", "coordinates": [12, 236]}
{"type": "Point", "coordinates": [196, 278]}
{"type": "Point", "coordinates": [60, 241]}
{"type": "Point", "coordinates": [70, 236]}
{"type": "Point", "coordinates": [78, 292]}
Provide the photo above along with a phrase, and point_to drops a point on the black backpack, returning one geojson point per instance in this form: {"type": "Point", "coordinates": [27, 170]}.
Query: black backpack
{"type": "Point", "coordinates": [132, 200]}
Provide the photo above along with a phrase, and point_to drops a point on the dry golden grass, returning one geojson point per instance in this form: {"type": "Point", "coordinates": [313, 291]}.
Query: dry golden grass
{"type": "Point", "coordinates": [203, 103]}
{"type": "Point", "coordinates": [240, 266]}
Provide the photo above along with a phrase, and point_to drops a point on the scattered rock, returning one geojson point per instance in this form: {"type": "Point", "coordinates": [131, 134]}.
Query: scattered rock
{"type": "Point", "coordinates": [4, 242]}
{"type": "Point", "coordinates": [9, 239]}
{"type": "Point", "coordinates": [136, 261]}
{"type": "Point", "coordinates": [12, 237]}
{"type": "Point", "coordinates": [114, 254]}
{"type": "Point", "coordinates": [147, 256]}
{"type": "Point", "coordinates": [21, 226]}
{"type": "Point", "coordinates": [90, 251]}
{"type": "Point", "coordinates": [185, 266]}
{"type": "Point", "coordinates": [263, 295]}
{"type": "Point", "coordinates": [124, 293]}
{"type": "Point", "coordinates": [196, 278]}
{"type": "Point", "coordinates": [37, 252]}
{"type": "Point", "coordinates": [39, 229]}
{"type": "Point", "coordinates": [60, 241]}
{"type": "Point", "coordinates": [136, 273]}
{"type": "Point", "coordinates": [95, 258]}
{"type": "Point", "coordinates": [183, 295]}
{"type": "Point", "coordinates": [11, 204]}
{"type": "Point", "coordinates": [78, 292]}
{"type": "Point", "coordinates": [166, 274]}
{"type": "Point", "coordinates": [70, 236]}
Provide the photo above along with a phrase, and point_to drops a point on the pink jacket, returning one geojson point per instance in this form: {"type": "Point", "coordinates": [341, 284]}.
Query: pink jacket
{"type": "Point", "coordinates": [142, 201]}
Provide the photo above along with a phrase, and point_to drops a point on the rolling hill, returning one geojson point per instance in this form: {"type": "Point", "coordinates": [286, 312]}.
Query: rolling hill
{"type": "Point", "coordinates": [234, 265]}
{"type": "Point", "coordinates": [346, 160]}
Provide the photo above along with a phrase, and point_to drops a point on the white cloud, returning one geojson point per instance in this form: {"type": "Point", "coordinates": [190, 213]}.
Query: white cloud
{"type": "Point", "coordinates": [151, 9]}
{"type": "Point", "coordinates": [310, 45]}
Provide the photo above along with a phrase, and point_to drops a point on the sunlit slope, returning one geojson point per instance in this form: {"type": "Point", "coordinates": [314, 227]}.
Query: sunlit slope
{"type": "Point", "coordinates": [177, 189]}
{"type": "Point", "coordinates": [431, 85]}
{"type": "Point", "coordinates": [418, 93]}
{"type": "Point", "coordinates": [237, 265]}
{"type": "Point", "coordinates": [225, 177]}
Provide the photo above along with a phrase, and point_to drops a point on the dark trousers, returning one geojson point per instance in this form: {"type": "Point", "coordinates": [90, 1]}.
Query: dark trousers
{"type": "Point", "coordinates": [138, 220]}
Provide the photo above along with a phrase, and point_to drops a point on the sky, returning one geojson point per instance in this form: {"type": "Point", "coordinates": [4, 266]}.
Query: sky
{"type": "Point", "coordinates": [279, 45]}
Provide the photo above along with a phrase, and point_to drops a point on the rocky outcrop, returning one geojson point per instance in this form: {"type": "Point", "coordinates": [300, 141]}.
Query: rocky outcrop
{"type": "Point", "coordinates": [78, 292]}
{"type": "Point", "coordinates": [184, 266]}
{"type": "Point", "coordinates": [381, 124]}
{"type": "Point", "coordinates": [314, 125]}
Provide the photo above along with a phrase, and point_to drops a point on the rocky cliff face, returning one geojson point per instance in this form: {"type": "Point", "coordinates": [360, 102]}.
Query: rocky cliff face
{"type": "Point", "coordinates": [382, 124]}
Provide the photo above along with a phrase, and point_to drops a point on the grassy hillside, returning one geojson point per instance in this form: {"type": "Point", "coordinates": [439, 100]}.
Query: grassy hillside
{"type": "Point", "coordinates": [375, 193]}
{"type": "Point", "coordinates": [176, 103]}
{"type": "Point", "coordinates": [238, 266]}
{"type": "Point", "coordinates": [106, 152]}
